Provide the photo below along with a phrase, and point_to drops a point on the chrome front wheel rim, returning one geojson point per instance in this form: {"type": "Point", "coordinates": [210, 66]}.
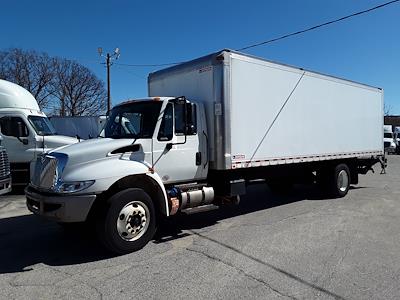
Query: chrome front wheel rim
{"type": "Point", "coordinates": [133, 221]}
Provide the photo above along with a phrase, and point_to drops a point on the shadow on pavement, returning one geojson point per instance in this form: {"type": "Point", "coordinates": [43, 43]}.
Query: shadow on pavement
{"type": "Point", "coordinates": [28, 240]}
{"type": "Point", "coordinates": [17, 190]}
{"type": "Point", "coordinates": [258, 198]}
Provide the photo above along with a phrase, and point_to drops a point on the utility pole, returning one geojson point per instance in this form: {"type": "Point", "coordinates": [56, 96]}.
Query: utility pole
{"type": "Point", "coordinates": [108, 83]}
{"type": "Point", "coordinates": [109, 57]}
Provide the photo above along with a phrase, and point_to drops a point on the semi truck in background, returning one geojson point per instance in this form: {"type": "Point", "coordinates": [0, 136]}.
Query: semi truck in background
{"type": "Point", "coordinates": [25, 130]}
{"type": "Point", "coordinates": [5, 172]}
{"type": "Point", "coordinates": [397, 139]}
{"type": "Point", "coordinates": [208, 128]}
{"type": "Point", "coordinates": [388, 139]}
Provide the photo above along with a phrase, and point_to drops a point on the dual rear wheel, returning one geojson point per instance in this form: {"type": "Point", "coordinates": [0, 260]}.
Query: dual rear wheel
{"type": "Point", "coordinates": [335, 180]}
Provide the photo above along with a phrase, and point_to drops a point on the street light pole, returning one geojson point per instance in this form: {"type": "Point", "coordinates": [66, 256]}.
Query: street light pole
{"type": "Point", "coordinates": [109, 57]}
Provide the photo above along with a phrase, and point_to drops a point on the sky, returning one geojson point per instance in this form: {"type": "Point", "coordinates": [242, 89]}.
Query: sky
{"type": "Point", "coordinates": [364, 49]}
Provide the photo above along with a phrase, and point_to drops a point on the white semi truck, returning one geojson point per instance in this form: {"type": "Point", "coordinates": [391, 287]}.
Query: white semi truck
{"type": "Point", "coordinates": [389, 141]}
{"type": "Point", "coordinates": [25, 130]}
{"type": "Point", "coordinates": [228, 120]}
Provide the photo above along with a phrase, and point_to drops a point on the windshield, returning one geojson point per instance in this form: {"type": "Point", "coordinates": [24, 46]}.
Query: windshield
{"type": "Point", "coordinates": [42, 125]}
{"type": "Point", "coordinates": [134, 120]}
{"type": "Point", "coordinates": [388, 135]}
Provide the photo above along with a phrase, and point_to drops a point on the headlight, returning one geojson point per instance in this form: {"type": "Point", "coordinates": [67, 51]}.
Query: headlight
{"type": "Point", "coordinates": [73, 187]}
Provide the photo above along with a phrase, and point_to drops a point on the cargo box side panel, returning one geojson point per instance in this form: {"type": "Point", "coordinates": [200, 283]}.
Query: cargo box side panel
{"type": "Point", "coordinates": [324, 116]}
{"type": "Point", "coordinates": [201, 83]}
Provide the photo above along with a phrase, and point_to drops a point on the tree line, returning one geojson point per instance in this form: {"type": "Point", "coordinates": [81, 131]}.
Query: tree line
{"type": "Point", "coordinates": [61, 86]}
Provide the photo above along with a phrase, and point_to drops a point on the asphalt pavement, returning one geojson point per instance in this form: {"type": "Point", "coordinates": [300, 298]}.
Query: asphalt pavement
{"type": "Point", "coordinates": [295, 246]}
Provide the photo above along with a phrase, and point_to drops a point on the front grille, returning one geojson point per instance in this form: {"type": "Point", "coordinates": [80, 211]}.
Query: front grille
{"type": "Point", "coordinates": [4, 163]}
{"type": "Point", "coordinates": [45, 175]}
{"type": "Point", "coordinates": [387, 144]}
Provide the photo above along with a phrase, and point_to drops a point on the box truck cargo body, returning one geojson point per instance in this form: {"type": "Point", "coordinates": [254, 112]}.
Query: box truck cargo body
{"type": "Point", "coordinates": [262, 113]}
{"type": "Point", "coordinates": [210, 127]}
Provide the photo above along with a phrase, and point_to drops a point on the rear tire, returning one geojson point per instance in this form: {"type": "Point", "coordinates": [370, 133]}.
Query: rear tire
{"type": "Point", "coordinates": [129, 223]}
{"type": "Point", "coordinates": [335, 180]}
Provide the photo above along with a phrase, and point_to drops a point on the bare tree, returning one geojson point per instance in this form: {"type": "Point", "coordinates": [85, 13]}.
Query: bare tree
{"type": "Point", "coordinates": [60, 86]}
{"type": "Point", "coordinates": [387, 109]}
{"type": "Point", "coordinates": [32, 70]}
{"type": "Point", "coordinates": [78, 91]}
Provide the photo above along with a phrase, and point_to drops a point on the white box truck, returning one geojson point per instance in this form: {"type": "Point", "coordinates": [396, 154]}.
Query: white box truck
{"type": "Point", "coordinates": [209, 127]}
{"type": "Point", "coordinates": [25, 130]}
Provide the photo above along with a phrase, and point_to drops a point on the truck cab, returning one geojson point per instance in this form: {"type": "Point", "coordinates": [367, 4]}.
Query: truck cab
{"type": "Point", "coordinates": [388, 139]}
{"type": "Point", "coordinates": [158, 125]}
{"type": "Point", "coordinates": [26, 131]}
{"type": "Point", "coordinates": [153, 144]}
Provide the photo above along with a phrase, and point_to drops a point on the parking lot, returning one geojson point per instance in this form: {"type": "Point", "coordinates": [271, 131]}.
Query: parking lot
{"type": "Point", "coordinates": [296, 246]}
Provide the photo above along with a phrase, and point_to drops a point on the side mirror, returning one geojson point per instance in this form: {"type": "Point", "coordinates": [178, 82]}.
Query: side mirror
{"type": "Point", "coordinates": [20, 130]}
{"type": "Point", "coordinates": [191, 129]}
{"type": "Point", "coordinates": [191, 119]}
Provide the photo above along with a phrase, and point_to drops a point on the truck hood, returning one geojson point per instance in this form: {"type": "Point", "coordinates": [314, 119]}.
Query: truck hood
{"type": "Point", "coordinates": [95, 149]}
{"type": "Point", "coordinates": [55, 141]}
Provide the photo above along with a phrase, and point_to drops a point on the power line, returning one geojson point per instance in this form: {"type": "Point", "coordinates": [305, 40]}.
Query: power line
{"type": "Point", "coordinates": [318, 26]}
{"type": "Point", "coordinates": [280, 37]}
{"type": "Point", "coordinates": [129, 72]}
{"type": "Point", "coordinates": [151, 65]}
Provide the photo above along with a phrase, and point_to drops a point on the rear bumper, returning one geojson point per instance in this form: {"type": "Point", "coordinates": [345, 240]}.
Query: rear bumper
{"type": "Point", "coordinates": [5, 185]}
{"type": "Point", "coordinates": [69, 208]}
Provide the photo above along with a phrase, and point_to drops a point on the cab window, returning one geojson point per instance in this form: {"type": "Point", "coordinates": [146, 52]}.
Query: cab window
{"type": "Point", "coordinates": [167, 124]}
{"type": "Point", "coordinates": [9, 126]}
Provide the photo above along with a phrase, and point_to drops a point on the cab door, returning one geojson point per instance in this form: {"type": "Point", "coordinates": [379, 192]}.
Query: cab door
{"type": "Point", "coordinates": [178, 157]}
{"type": "Point", "coordinates": [20, 149]}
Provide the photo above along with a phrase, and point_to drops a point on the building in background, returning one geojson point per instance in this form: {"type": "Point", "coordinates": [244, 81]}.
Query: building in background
{"type": "Point", "coordinates": [392, 120]}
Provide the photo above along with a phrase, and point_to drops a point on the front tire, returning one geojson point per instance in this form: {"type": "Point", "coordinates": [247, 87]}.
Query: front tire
{"type": "Point", "coordinates": [129, 223]}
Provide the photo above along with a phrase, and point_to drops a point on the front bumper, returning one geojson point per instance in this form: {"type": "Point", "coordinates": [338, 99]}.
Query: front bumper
{"type": "Point", "coordinates": [60, 208]}
{"type": "Point", "coordinates": [5, 185]}
{"type": "Point", "coordinates": [390, 149]}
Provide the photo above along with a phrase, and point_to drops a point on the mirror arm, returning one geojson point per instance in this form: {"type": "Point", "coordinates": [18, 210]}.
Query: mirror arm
{"type": "Point", "coordinates": [23, 141]}
{"type": "Point", "coordinates": [169, 145]}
